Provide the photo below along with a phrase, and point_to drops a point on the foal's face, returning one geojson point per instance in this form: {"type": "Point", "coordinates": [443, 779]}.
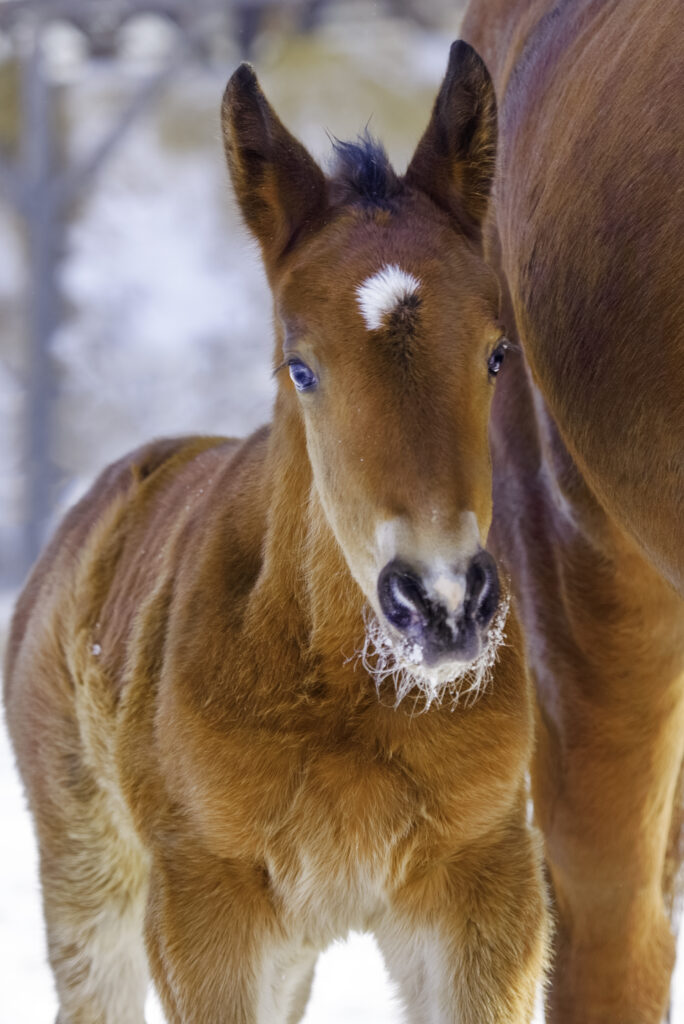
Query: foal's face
{"type": "Point", "coordinates": [391, 338]}
{"type": "Point", "coordinates": [387, 320]}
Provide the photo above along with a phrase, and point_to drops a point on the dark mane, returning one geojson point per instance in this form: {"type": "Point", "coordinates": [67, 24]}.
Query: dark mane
{"type": "Point", "coordinates": [362, 171]}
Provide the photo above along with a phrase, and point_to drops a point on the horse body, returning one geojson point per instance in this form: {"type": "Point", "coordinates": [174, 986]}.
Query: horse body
{"type": "Point", "coordinates": [207, 761]}
{"type": "Point", "coordinates": [587, 444]}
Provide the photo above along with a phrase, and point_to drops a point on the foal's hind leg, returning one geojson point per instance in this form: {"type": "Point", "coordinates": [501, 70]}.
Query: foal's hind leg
{"type": "Point", "coordinates": [94, 891]}
{"type": "Point", "coordinates": [93, 869]}
{"type": "Point", "coordinates": [93, 875]}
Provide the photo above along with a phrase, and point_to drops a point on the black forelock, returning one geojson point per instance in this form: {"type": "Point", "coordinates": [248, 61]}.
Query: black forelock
{"type": "Point", "coordinates": [362, 172]}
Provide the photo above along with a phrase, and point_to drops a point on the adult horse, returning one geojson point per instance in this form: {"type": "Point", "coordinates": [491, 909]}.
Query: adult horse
{"type": "Point", "coordinates": [588, 440]}
{"type": "Point", "coordinates": [207, 763]}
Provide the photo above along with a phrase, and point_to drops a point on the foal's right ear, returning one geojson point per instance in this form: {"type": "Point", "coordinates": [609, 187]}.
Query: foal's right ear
{"type": "Point", "coordinates": [454, 161]}
{"type": "Point", "coordinates": [279, 186]}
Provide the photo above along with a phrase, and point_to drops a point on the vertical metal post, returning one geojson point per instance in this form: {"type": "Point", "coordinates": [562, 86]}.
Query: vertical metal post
{"type": "Point", "coordinates": [38, 168]}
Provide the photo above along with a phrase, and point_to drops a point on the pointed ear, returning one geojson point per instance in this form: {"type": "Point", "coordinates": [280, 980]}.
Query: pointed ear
{"type": "Point", "coordinates": [280, 188]}
{"type": "Point", "coordinates": [454, 160]}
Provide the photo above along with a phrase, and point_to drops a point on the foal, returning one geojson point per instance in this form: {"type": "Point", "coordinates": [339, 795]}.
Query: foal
{"type": "Point", "coordinates": [220, 786]}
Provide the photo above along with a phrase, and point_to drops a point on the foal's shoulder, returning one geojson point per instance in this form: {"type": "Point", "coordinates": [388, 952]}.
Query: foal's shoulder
{"type": "Point", "coordinates": [126, 500]}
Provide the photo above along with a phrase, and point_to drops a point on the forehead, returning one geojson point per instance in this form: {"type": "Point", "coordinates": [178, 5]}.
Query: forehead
{"type": "Point", "coordinates": [371, 268]}
{"type": "Point", "coordinates": [387, 293]}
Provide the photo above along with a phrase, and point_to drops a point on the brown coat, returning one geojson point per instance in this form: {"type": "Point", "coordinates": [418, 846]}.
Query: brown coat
{"type": "Point", "coordinates": [588, 446]}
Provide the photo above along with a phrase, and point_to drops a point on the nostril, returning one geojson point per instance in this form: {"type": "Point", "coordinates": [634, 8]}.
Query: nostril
{"type": "Point", "coordinates": [401, 595]}
{"type": "Point", "coordinates": [482, 588]}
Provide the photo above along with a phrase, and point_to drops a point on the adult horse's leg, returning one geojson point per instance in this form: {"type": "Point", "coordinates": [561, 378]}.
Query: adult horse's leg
{"type": "Point", "coordinates": [605, 779]}
{"type": "Point", "coordinates": [605, 639]}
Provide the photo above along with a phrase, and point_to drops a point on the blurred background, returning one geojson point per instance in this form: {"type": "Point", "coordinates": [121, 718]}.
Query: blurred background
{"type": "Point", "coordinates": [132, 304]}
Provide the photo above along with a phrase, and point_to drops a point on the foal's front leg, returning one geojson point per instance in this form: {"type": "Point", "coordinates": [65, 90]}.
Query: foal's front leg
{"type": "Point", "coordinates": [467, 942]}
{"type": "Point", "coordinates": [217, 952]}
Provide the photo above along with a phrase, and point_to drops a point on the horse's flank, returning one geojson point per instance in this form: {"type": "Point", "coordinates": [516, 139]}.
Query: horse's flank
{"type": "Point", "coordinates": [589, 91]}
{"type": "Point", "coordinates": [588, 450]}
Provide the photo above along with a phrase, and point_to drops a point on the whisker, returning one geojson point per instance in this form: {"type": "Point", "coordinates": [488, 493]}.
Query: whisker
{"type": "Point", "coordinates": [388, 660]}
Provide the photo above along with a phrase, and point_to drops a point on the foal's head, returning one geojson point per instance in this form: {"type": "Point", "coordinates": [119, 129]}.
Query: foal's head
{"type": "Point", "coordinates": [389, 341]}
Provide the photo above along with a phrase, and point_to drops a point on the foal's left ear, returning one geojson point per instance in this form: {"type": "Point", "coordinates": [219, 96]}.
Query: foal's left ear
{"type": "Point", "coordinates": [279, 186]}
{"type": "Point", "coordinates": [454, 161]}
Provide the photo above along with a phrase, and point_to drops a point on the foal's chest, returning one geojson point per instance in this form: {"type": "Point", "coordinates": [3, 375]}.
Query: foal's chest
{"type": "Point", "coordinates": [340, 819]}
{"type": "Point", "coordinates": [335, 824]}
{"type": "Point", "coordinates": [346, 842]}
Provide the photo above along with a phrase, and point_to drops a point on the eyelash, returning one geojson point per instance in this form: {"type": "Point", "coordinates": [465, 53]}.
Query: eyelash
{"type": "Point", "coordinates": [284, 365]}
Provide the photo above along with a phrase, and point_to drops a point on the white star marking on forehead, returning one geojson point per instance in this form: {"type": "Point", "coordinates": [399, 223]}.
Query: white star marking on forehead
{"type": "Point", "coordinates": [383, 292]}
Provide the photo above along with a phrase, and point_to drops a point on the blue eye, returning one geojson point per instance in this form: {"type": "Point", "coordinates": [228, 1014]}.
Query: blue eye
{"type": "Point", "coordinates": [302, 377]}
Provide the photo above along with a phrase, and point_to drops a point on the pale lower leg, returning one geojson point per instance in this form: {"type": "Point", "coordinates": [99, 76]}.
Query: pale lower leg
{"type": "Point", "coordinates": [99, 965]}
{"type": "Point", "coordinates": [476, 954]}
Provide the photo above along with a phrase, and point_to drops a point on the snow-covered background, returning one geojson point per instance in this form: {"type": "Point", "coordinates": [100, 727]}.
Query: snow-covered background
{"type": "Point", "coordinates": [167, 330]}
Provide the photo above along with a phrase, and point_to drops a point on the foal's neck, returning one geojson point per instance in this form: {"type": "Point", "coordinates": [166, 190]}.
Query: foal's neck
{"type": "Point", "coordinates": [304, 568]}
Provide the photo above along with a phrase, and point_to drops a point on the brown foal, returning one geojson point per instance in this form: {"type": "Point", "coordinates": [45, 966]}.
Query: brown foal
{"type": "Point", "coordinates": [254, 686]}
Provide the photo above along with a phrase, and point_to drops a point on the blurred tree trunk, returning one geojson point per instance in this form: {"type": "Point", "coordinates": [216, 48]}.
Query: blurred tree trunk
{"type": "Point", "coordinates": [38, 162]}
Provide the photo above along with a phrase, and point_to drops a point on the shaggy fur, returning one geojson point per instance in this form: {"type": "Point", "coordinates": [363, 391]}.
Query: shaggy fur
{"type": "Point", "coordinates": [209, 772]}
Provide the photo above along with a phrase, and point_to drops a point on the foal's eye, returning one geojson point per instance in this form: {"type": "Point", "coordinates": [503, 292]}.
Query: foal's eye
{"type": "Point", "coordinates": [303, 378]}
{"type": "Point", "coordinates": [496, 359]}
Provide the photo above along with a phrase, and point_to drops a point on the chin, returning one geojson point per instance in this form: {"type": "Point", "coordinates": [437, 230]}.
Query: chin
{"type": "Point", "coordinates": [426, 677]}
